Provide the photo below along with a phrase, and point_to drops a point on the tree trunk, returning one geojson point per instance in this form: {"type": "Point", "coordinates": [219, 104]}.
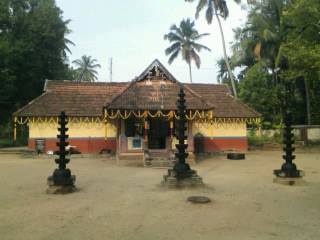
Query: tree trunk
{"type": "Point", "coordinates": [226, 58]}
{"type": "Point", "coordinates": [308, 108]}
{"type": "Point", "coordinates": [190, 73]}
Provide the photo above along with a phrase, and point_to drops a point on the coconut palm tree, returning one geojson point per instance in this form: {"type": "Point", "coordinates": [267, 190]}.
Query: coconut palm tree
{"type": "Point", "coordinates": [184, 40]}
{"type": "Point", "coordinates": [217, 8]}
{"type": "Point", "coordinates": [223, 74]}
{"type": "Point", "coordinates": [86, 69]}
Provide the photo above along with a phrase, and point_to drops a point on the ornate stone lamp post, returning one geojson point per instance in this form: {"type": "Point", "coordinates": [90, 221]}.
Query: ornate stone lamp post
{"type": "Point", "coordinates": [288, 169]}
{"type": "Point", "coordinates": [62, 181]}
{"type": "Point", "coordinates": [181, 168]}
{"type": "Point", "coordinates": [181, 175]}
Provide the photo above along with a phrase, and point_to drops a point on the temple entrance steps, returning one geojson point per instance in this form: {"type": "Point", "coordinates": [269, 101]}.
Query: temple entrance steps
{"type": "Point", "coordinates": [158, 158]}
{"type": "Point", "coordinates": [159, 163]}
{"type": "Point", "coordinates": [151, 158]}
{"type": "Point", "coordinates": [129, 158]}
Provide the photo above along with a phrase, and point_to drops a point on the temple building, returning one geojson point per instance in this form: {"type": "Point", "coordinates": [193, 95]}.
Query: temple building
{"type": "Point", "coordinates": [137, 117]}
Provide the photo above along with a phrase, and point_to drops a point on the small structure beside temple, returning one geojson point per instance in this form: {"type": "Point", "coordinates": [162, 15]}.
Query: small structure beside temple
{"type": "Point", "coordinates": [137, 120]}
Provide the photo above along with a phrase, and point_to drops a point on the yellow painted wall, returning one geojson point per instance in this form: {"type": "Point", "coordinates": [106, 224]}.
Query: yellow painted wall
{"type": "Point", "coordinates": [220, 130]}
{"type": "Point", "coordinates": [76, 130]}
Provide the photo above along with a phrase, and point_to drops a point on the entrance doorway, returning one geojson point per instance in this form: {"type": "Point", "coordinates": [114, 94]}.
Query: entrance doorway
{"type": "Point", "coordinates": [158, 133]}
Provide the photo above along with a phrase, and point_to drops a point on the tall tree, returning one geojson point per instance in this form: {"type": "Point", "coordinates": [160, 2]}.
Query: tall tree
{"type": "Point", "coordinates": [255, 91]}
{"type": "Point", "coordinates": [256, 48]}
{"type": "Point", "coordinates": [217, 8]}
{"type": "Point", "coordinates": [86, 69]}
{"type": "Point", "coordinates": [301, 48]}
{"type": "Point", "coordinates": [223, 73]}
{"type": "Point", "coordinates": [282, 29]}
{"type": "Point", "coordinates": [33, 48]}
{"type": "Point", "coordinates": [184, 40]}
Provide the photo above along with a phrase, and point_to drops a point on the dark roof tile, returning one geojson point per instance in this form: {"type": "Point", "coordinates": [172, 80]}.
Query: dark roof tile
{"type": "Point", "coordinates": [88, 99]}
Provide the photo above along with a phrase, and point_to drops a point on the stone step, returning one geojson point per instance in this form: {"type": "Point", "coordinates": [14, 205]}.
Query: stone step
{"type": "Point", "coordinates": [130, 156]}
{"type": "Point", "coordinates": [159, 163]}
{"type": "Point", "coordinates": [158, 154]}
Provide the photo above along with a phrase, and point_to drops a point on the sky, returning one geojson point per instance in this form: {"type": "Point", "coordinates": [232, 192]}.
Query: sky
{"type": "Point", "coordinates": [131, 33]}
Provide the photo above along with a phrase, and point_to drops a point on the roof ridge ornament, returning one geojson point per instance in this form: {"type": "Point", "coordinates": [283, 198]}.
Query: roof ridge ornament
{"type": "Point", "coordinates": [156, 71]}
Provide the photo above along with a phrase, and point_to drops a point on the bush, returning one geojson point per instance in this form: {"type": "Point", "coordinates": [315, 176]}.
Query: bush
{"type": "Point", "coordinates": [259, 141]}
{"type": "Point", "coordinates": [6, 135]}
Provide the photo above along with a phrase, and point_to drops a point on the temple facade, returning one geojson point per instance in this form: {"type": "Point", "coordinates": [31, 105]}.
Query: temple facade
{"type": "Point", "coordinates": [137, 117]}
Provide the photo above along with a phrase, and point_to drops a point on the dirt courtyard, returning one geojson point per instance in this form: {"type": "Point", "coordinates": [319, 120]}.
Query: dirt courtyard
{"type": "Point", "coordinates": [122, 202]}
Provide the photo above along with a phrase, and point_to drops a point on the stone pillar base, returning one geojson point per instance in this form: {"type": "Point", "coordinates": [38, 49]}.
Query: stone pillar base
{"type": "Point", "coordinates": [61, 189]}
{"type": "Point", "coordinates": [171, 181]}
{"type": "Point", "coordinates": [285, 172]}
{"type": "Point", "coordinates": [69, 187]}
{"type": "Point", "coordinates": [298, 181]}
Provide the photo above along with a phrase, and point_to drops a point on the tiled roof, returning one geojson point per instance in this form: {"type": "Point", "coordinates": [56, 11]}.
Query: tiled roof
{"type": "Point", "coordinates": [225, 105]}
{"type": "Point", "coordinates": [156, 95]}
{"type": "Point", "coordinates": [76, 98]}
{"type": "Point", "coordinates": [88, 99]}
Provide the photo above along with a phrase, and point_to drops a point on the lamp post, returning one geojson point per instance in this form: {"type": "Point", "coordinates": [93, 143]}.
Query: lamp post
{"type": "Point", "coordinates": [288, 169]}
{"type": "Point", "coordinates": [181, 175]}
{"type": "Point", "coordinates": [62, 176]}
{"type": "Point", "coordinates": [181, 168]}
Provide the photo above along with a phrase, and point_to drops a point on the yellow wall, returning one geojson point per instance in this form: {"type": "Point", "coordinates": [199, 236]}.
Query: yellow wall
{"type": "Point", "coordinates": [87, 129]}
{"type": "Point", "coordinates": [220, 130]}
{"type": "Point", "coordinates": [76, 130]}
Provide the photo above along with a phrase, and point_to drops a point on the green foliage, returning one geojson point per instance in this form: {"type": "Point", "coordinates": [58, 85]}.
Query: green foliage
{"type": "Point", "coordinates": [6, 135]}
{"type": "Point", "coordinates": [86, 69]}
{"type": "Point", "coordinates": [212, 7]}
{"type": "Point", "coordinates": [255, 90]}
{"type": "Point", "coordinates": [283, 36]}
{"type": "Point", "coordinates": [218, 9]}
{"type": "Point", "coordinates": [9, 142]}
{"type": "Point", "coordinates": [184, 41]}
{"type": "Point", "coordinates": [32, 48]}
{"type": "Point", "coordinates": [314, 85]}
{"type": "Point", "coordinates": [256, 140]}
{"type": "Point", "coordinates": [301, 48]}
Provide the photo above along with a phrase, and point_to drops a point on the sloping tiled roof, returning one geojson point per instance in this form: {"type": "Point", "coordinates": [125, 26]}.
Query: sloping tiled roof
{"type": "Point", "coordinates": [76, 98]}
{"type": "Point", "coordinates": [88, 99]}
{"type": "Point", "coordinates": [154, 89]}
{"type": "Point", "coordinates": [156, 95]}
{"type": "Point", "coordinates": [225, 105]}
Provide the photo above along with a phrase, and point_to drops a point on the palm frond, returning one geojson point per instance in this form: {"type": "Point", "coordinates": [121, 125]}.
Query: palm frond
{"type": "Point", "coordinates": [173, 56]}
{"type": "Point", "coordinates": [199, 36]}
{"type": "Point", "coordinates": [200, 6]}
{"type": "Point", "coordinates": [174, 47]}
{"type": "Point", "coordinates": [209, 12]}
{"type": "Point", "coordinates": [184, 41]}
{"type": "Point", "coordinates": [199, 47]}
{"type": "Point", "coordinates": [196, 58]}
{"type": "Point", "coordinates": [176, 30]}
{"type": "Point", "coordinates": [86, 68]}
{"type": "Point", "coordinates": [172, 36]}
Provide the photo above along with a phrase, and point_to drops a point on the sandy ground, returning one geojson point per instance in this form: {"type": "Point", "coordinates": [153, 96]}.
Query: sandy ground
{"type": "Point", "coordinates": [119, 202]}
